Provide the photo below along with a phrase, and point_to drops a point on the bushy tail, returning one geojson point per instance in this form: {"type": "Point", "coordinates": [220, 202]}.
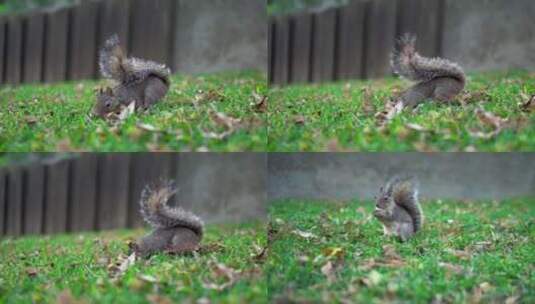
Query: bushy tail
{"type": "Point", "coordinates": [158, 214]}
{"type": "Point", "coordinates": [406, 62]}
{"type": "Point", "coordinates": [404, 190]}
{"type": "Point", "coordinates": [112, 59]}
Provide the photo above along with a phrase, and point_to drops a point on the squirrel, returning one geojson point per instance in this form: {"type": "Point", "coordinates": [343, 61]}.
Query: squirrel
{"type": "Point", "coordinates": [437, 78]}
{"type": "Point", "coordinates": [398, 209]}
{"type": "Point", "coordinates": [175, 230]}
{"type": "Point", "coordinates": [141, 81]}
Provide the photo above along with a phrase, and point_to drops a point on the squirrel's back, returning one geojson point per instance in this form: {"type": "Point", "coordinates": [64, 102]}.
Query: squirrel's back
{"type": "Point", "coordinates": [159, 215]}
{"type": "Point", "coordinates": [406, 62]}
{"type": "Point", "coordinates": [405, 194]}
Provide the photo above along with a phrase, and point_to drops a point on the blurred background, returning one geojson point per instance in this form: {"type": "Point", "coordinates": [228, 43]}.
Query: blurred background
{"type": "Point", "coordinates": [58, 40]}
{"type": "Point", "coordinates": [329, 40]}
{"type": "Point", "coordinates": [43, 193]}
{"type": "Point", "coordinates": [348, 176]}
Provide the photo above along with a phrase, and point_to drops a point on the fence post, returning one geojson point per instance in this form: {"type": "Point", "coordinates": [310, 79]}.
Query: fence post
{"type": "Point", "coordinates": [282, 49]}
{"type": "Point", "coordinates": [3, 201]}
{"type": "Point", "coordinates": [113, 182]}
{"type": "Point", "coordinates": [323, 68]}
{"type": "Point", "coordinates": [301, 47]}
{"type": "Point", "coordinates": [83, 41]}
{"type": "Point", "coordinates": [14, 50]}
{"type": "Point", "coordinates": [84, 193]}
{"type": "Point", "coordinates": [2, 47]}
{"type": "Point", "coordinates": [56, 200]}
{"type": "Point", "coordinates": [56, 33]}
{"type": "Point", "coordinates": [15, 212]}
{"type": "Point", "coordinates": [34, 47]}
{"type": "Point", "coordinates": [381, 31]}
{"type": "Point", "coordinates": [34, 199]}
{"type": "Point", "coordinates": [351, 43]}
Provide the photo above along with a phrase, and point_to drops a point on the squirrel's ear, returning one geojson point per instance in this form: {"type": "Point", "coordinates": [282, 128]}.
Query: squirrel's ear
{"type": "Point", "coordinates": [108, 91]}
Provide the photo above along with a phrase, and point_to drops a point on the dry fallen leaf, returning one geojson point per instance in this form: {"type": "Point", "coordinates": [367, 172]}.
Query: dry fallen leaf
{"type": "Point", "coordinates": [529, 104]}
{"type": "Point", "coordinates": [118, 269]}
{"type": "Point", "coordinates": [372, 279]}
{"type": "Point", "coordinates": [305, 234]}
{"type": "Point", "coordinates": [158, 299]}
{"type": "Point", "coordinates": [31, 271]}
{"type": "Point", "coordinates": [487, 118]}
{"type": "Point", "coordinates": [392, 108]}
{"type": "Point", "coordinates": [328, 271]}
{"type": "Point", "coordinates": [259, 103]}
{"type": "Point", "coordinates": [456, 269]}
{"type": "Point", "coordinates": [299, 120]}
{"type": "Point", "coordinates": [220, 270]}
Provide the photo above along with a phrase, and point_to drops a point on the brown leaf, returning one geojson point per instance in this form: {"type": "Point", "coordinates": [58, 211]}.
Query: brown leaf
{"type": "Point", "coordinates": [121, 266]}
{"type": "Point", "coordinates": [305, 234]}
{"type": "Point", "coordinates": [392, 108]}
{"type": "Point", "coordinates": [456, 269]}
{"type": "Point", "coordinates": [529, 104]}
{"type": "Point", "coordinates": [220, 270]}
{"type": "Point", "coordinates": [367, 106]}
{"type": "Point", "coordinates": [416, 127]}
{"type": "Point", "coordinates": [65, 297]}
{"type": "Point", "coordinates": [328, 271]}
{"type": "Point", "coordinates": [221, 119]}
{"type": "Point", "coordinates": [333, 252]}
{"type": "Point", "coordinates": [32, 272]}
{"type": "Point", "coordinates": [491, 120]}
{"type": "Point", "coordinates": [372, 279]}
{"type": "Point", "coordinates": [260, 103]}
{"type": "Point", "coordinates": [512, 300]}
{"type": "Point", "coordinates": [299, 120]}
{"type": "Point", "coordinates": [461, 254]}
{"type": "Point", "coordinates": [31, 120]}
{"type": "Point", "coordinates": [158, 299]}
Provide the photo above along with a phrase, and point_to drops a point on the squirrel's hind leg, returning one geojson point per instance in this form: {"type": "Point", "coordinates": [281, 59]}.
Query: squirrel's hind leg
{"type": "Point", "coordinates": [155, 90]}
{"type": "Point", "coordinates": [447, 88]}
{"type": "Point", "coordinates": [184, 241]}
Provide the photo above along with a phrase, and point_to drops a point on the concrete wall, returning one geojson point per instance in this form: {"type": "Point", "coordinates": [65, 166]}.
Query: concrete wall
{"type": "Point", "coordinates": [223, 186]}
{"type": "Point", "coordinates": [490, 34]}
{"type": "Point", "coordinates": [344, 176]}
{"type": "Point", "coordinates": [218, 35]}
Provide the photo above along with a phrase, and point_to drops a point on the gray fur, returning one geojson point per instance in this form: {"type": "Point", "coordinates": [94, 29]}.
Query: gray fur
{"type": "Point", "coordinates": [437, 78]}
{"type": "Point", "coordinates": [175, 230]}
{"type": "Point", "coordinates": [398, 208]}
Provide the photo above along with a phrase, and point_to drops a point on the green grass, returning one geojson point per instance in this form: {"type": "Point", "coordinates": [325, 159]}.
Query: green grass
{"type": "Point", "coordinates": [56, 117]}
{"type": "Point", "coordinates": [39, 269]}
{"type": "Point", "coordinates": [466, 251]}
{"type": "Point", "coordinates": [340, 116]}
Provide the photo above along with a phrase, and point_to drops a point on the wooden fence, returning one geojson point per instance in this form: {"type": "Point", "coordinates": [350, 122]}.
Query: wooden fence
{"type": "Point", "coordinates": [353, 41]}
{"type": "Point", "coordinates": [90, 192]}
{"type": "Point", "coordinates": [63, 44]}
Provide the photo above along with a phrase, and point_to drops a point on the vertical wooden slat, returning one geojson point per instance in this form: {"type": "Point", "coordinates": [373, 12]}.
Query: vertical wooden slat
{"type": "Point", "coordinates": [324, 46]}
{"type": "Point", "coordinates": [14, 203]}
{"type": "Point", "coordinates": [147, 168]}
{"type": "Point", "coordinates": [84, 192]}
{"type": "Point", "coordinates": [34, 199]}
{"type": "Point", "coordinates": [2, 47]}
{"type": "Point", "coordinates": [429, 28]}
{"type": "Point", "coordinates": [14, 50]}
{"type": "Point", "coordinates": [3, 201]}
{"type": "Point", "coordinates": [301, 48]}
{"type": "Point", "coordinates": [113, 190]}
{"type": "Point", "coordinates": [57, 27]}
{"type": "Point", "coordinates": [151, 29]}
{"type": "Point", "coordinates": [271, 50]}
{"type": "Point", "coordinates": [351, 44]}
{"type": "Point", "coordinates": [83, 41]}
{"type": "Point", "coordinates": [33, 48]}
{"type": "Point", "coordinates": [282, 43]}
{"type": "Point", "coordinates": [56, 199]}
{"type": "Point", "coordinates": [114, 19]}
{"type": "Point", "coordinates": [380, 37]}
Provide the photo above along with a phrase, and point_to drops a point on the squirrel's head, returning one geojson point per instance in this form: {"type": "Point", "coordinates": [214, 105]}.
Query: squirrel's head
{"type": "Point", "coordinates": [382, 201]}
{"type": "Point", "coordinates": [105, 102]}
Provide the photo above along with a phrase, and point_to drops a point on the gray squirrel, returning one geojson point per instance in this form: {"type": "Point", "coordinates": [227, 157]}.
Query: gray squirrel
{"type": "Point", "coordinates": [175, 230]}
{"type": "Point", "coordinates": [437, 78]}
{"type": "Point", "coordinates": [398, 209]}
{"type": "Point", "coordinates": [141, 81]}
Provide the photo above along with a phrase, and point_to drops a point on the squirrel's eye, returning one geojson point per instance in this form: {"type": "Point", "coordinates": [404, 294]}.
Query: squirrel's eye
{"type": "Point", "coordinates": [108, 104]}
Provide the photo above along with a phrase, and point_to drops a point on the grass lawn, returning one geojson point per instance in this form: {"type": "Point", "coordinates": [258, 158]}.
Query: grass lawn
{"type": "Point", "coordinates": [467, 252]}
{"type": "Point", "coordinates": [341, 116]}
{"type": "Point", "coordinates": [80, 267]}
{"type": "Point", "coordinates": [56, 117]}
